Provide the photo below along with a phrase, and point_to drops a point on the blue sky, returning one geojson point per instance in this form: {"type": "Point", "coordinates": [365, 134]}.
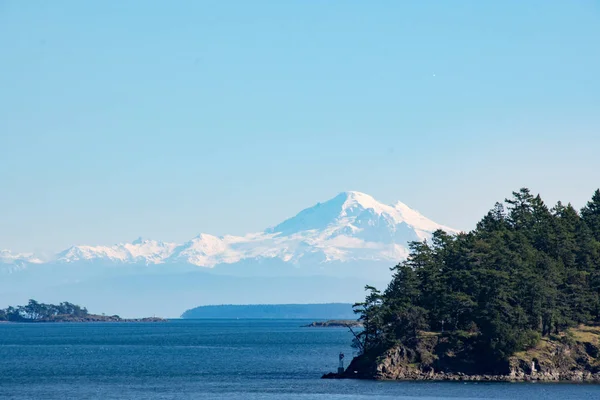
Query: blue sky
{"type": "Point", "coordinates": [167, 119]}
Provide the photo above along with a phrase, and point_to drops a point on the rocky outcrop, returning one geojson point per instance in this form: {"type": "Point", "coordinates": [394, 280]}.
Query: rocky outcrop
{"type": "Point", "coordinates": [574, 357]}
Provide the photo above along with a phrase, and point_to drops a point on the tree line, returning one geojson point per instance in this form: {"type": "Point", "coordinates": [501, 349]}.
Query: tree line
{"type": "Point", "coordinates": [35, 311]}
{"type": "Point", "coordinates": [525, 272]}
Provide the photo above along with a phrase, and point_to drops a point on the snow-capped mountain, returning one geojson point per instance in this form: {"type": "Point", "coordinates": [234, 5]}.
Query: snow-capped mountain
{"type": "Point", "coordinates": [12, 262]}
{"type": "Point", "coordinates": [325, 253]}
{"type": "Point", "coordinates": [7, 257]}
{"type": "Point", "coordinates": [138, 251]}
{"type": "Point", "coordinates": [352, 226]}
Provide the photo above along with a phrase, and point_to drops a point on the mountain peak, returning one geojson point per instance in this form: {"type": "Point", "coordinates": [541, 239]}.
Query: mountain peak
{"type": "Point", "coordinates": [352, 226]}
{"type": "Point", "coordinates": [354, 194]}
{"type": "Point", "coordinates": [363, 201]}
{"type": "Point", "coordinates": [354, 197]}
{"type": "Point", "coordinates": [352, 208]}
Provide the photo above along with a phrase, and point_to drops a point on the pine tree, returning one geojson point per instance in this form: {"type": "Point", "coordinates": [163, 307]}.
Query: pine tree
{"type": "Point", "coordinates": [591, 214]}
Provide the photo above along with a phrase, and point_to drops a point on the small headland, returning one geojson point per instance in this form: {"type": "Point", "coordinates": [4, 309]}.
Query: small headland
{"type": "Point", "coordinates": [572, 356]}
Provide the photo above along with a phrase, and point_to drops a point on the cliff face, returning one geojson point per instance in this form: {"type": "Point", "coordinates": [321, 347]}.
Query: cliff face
{"type": "Point", "coordinates": [574, 356]}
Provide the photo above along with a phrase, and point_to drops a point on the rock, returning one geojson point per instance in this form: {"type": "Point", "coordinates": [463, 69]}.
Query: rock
{"type": "Point", "coordinates": [551, 362]}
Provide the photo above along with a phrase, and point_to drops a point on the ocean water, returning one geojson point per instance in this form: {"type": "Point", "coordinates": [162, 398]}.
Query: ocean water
{"type": "Point", "coordinates": [212, 359]}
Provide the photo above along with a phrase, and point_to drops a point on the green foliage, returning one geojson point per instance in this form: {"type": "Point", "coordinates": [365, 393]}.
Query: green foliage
{"type": "Point", "coordinates": [34, 311]}
{"type": "Point", "coordinates": [524, 273]}
{"type": "Point", "coordinates": [591, 215]}
{"type": "Point", "coordinates": [568, 338]}
{"type": "Point", "coordinates": [530, 339]}
{"type": "Point", "coordinates": [371, 317]}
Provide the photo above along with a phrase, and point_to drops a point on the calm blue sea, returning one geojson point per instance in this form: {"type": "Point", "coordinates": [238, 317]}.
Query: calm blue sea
{"type": "Point", "coordinates": [211, 359]}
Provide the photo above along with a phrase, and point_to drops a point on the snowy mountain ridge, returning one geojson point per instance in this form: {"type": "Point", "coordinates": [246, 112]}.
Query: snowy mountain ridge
{"type": "Point", "coordinates": [8, 257]}
{"type": "Point", "coordinates": [352, 226]}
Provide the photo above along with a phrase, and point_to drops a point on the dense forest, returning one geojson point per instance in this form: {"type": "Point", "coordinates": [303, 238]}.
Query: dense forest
{"type": "Point", "coordinates": [526, 272]}
{"type": "Point", "coordinates": [35, 312]}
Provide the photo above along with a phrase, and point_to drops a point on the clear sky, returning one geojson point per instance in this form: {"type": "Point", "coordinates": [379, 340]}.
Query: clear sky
{"type": "Point", "coordinates": [163, 119]}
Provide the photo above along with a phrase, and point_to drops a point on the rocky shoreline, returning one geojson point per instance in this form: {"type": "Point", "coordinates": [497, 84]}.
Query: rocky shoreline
{"type": "Point", "coordinates": [571, 376]}
{"type": "Point", "coordinates": [572, 357]}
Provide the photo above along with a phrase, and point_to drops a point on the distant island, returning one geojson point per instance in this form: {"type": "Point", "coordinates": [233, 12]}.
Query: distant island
{"type": "Point", "coordinates": [35, 312]}
{"type": "Point", "coordinates": [323, 311]}
{"type": "Point", "coordinates": [516, 299]}
{"type": "Point", "coordinates": [335, 323]}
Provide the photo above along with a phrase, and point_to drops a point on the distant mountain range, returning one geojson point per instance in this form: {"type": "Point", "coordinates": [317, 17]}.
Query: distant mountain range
{"type": "Point", "coordinates": [350, 236]}
{"type": "Point", "coordinates": [352, 226]}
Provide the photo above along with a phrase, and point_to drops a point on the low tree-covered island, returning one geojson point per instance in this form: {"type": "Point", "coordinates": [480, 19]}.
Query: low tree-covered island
{"type": "Point", "coordinates": [334, 323]}
{"type": "Point", "coordinates": [518, 298]}
{"type": "Point", "coordinates": [63, 312]}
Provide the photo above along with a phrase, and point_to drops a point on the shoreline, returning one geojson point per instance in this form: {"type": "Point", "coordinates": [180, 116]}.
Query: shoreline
{"type": "Point", "coordinates": [571, 357]}
{"type": "Point", "coordinates": [571, 377]}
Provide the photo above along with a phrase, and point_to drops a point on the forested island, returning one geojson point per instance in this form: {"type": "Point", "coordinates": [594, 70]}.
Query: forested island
{"type": "Point", "coordinates": [63, 312]}
{"type": "Point", "coordinates": [517, 298]}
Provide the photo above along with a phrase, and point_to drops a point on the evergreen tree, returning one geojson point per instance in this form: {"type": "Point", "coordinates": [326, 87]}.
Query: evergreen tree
{"type": "Point", "coordinates": [522, 274]}
{"type": "Point", "coordinates": [591, 215]}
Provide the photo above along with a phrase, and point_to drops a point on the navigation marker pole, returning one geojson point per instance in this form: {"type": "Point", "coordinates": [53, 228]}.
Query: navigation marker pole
{"type": "Point", "coordinates": [341, 366]}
